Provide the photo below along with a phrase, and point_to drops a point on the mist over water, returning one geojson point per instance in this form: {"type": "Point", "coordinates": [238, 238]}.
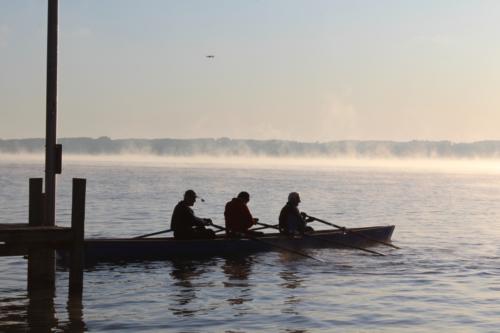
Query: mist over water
{"type": "Point", "coordinates": [226, 147]}
{"type": "Point", "coordinates": [445, 165]}
{"type": "Point", "coordinates": [413, 156]}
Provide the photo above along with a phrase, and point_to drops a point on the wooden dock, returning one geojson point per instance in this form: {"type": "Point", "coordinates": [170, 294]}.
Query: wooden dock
{"type": "Point", "coordinates": [16, 239]}
{"type": "Point", "coordinates": [38, 241]}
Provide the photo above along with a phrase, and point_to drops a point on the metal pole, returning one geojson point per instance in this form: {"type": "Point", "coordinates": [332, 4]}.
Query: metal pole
{"type": "Point", "coordinates": [51, 106]}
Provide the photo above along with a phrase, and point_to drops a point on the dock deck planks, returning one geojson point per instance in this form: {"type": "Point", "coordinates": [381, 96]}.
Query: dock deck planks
{"type": "Point", "coordinates": [17, 238]}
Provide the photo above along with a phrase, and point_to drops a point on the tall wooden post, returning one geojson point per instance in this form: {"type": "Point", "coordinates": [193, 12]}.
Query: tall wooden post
{"type": "Point", "coordinates": [78, 229]}
{"type": "Point", "coordinates": [51, 109]}
{"type": "Point", "coordinates": [41, 262]}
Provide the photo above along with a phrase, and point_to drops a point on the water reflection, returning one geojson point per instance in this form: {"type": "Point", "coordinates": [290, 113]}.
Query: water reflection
{"type": "Point", "coordinates": [237, 271]}
{"type": "Point", "coordinates": [291, 302]}
{"type": "Point", "coordinates": [41, 311]}
{"type": "Point", "coordinates": [290, 279]}
{"type": "Point", "coordinates": [184, 273]}
{"type": "Point", "coordinates": [37, 313]}
{"type": "Point", "coordinates": [13, 314]}
{"type": "Point", "coordinates": [74, 307]}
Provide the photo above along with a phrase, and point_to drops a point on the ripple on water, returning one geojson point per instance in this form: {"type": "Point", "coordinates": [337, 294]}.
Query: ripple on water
{"type": "Point", "coordinates": [444, 278]}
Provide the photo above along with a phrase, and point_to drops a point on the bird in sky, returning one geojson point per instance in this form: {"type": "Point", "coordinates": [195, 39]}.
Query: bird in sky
{"type": "Point", "coordinates": [210, 56]}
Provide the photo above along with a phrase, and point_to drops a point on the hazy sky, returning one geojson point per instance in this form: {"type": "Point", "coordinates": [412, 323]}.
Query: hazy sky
{"type": "Point", "coordinates": [305, 70]}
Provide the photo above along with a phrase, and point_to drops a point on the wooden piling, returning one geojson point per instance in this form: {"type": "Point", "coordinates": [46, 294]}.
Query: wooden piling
{"type": "Point", "coordinates": [78, 228]}
{"type": "Point", "coordinates": [41, 262]}
{"type": "Point", "coordinates": [74, 307]}
{"type": "Point", "coordinates": [35, 217]}
{"type": "Point", "coordinates": [41, 312]}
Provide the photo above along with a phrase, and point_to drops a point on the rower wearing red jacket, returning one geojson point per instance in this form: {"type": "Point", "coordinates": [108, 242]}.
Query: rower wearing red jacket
{"type": "Point", "coordinates": [238, 217]}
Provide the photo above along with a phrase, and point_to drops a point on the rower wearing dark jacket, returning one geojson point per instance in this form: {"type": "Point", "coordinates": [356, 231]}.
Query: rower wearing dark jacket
{"type": "Point", "coordinates": [238, 217]}
{"type": "Point", "coordinates": [291, 220]}
{"type": "Point", "coordinates": [185, 224]}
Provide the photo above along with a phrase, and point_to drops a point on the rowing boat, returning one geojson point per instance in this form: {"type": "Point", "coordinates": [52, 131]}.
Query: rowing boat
{"type": "Point", "coordinates": [130, 249]}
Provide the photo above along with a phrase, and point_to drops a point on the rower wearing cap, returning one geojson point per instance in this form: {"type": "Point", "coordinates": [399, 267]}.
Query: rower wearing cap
{"type": "Point", "coordinates": [291, 220]}
{"type": "Point", "coordinates": [185, 224]}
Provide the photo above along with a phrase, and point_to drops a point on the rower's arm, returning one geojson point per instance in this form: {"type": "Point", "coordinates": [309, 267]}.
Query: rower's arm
{"type": "Point", "coordinates": [200, 222]}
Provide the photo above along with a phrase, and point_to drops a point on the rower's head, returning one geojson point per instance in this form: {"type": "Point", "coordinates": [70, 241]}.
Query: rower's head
{"type": "Point", "coordinates": [294, 198]}
{"type": "Point", "coordinates": [190, 197]}
{"type": "Point", "coordinates": [244, 196]}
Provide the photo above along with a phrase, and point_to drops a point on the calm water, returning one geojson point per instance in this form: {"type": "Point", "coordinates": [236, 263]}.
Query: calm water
{"type": "Point", "coordinates": [446, 277]}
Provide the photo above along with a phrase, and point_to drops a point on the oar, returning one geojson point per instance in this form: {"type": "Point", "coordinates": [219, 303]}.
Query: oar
{"type": "Point", "coordinates": [218, 231]}
{"type": "Point", "coordinates": [154, 233]}
{"type": "Point", "coordinates": [254, 229]}
{"type": "Point", "coordinates": [258, 228]}
{"type": "Point", "coordinates": [271, 244]}
{"type": "Point", "coordinates": [354, 233]}
{"type": "Point", "coordinates": [330, 241]}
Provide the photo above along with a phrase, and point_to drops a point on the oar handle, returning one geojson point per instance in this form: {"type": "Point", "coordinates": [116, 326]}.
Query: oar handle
{"type": "Point", "coordinates": [325, 222]}
{"type": "Point", "coordinates": [267, 225]}
{"type": "Point", "coordinates": [216, 226]}
{"type": "Point", "coordinates": [258, 228]}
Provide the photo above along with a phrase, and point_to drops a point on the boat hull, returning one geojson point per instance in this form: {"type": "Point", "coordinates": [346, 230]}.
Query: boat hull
{"type": "Point", "coordinates": [129, 249]}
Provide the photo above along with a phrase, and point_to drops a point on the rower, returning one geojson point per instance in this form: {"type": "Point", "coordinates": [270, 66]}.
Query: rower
{"type": "Point", "coordinates": [185, 224]}
{"type": "Point", "coordinates": [238, 217]}
{"type": "Point", "coordinates": [291, 220]}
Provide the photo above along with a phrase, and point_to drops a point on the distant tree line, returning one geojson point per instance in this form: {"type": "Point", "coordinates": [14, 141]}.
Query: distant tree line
{"type": "Point", "coordinates": [268, 148]}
